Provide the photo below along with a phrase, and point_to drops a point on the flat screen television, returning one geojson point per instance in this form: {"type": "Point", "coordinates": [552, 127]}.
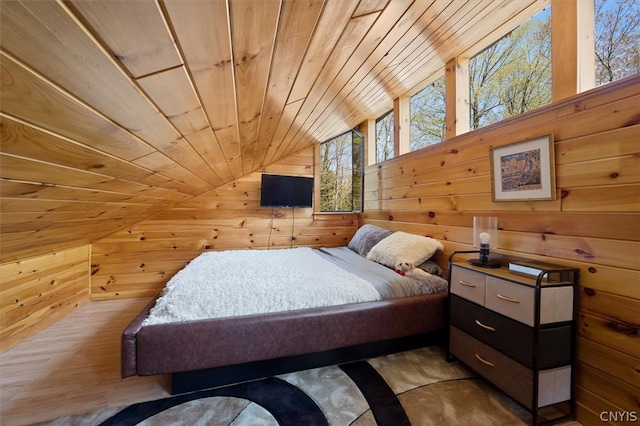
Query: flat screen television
{"type": "Point", "coordinates": [286, 191]}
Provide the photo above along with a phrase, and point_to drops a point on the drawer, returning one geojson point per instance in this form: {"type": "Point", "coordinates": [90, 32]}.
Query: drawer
{"type": "Point", "coordinates": [512, 377]}
{"type": "Point", "coordinates": [556, 304]}
{"type": "Point", "coordinates": [513, 338]}
{"type": "Point", "coordinates": [554, 385]}
{"type": "Point", "coordinates": [511, 300]}
{"type": "Point", "coordinates": [468, 284]}
{"type": "Point", "coordinates": [555, 346]}
{"type": "Point", "coordinates": [506, 335]}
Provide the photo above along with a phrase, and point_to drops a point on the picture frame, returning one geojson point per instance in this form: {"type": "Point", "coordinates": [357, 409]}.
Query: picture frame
{"type": "Point", "coordinates": [524, 171]}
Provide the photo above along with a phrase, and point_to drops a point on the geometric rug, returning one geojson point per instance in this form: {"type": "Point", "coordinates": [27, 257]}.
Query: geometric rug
{"type": "Point", "coordinates": [417, 387]}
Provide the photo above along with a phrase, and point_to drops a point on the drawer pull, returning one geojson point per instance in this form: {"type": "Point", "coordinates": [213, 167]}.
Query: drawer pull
{"type": "Point", "coordinates": [486, 327]}
{"type": "Point", "coordinates": [484, 361]}
{"type": "Point", "coordinates": [467, 284]}
{"type": "Point", "coordinates": [507, 298]}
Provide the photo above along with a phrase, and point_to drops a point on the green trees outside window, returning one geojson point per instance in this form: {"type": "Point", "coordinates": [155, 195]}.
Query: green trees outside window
{"type": "Point", "coordinates": [341, 163]}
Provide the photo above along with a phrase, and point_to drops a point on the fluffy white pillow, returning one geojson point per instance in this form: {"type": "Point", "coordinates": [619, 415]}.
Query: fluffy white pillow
{"type": "Point", "coordinates": [404, 247]}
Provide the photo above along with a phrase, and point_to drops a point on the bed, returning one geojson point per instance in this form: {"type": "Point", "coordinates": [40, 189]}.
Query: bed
{"type": "Point", "coordinates": [218, 341]}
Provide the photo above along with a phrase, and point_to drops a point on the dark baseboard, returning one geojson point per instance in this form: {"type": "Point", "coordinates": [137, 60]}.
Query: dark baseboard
{"type": "Point", "coordinates": [190, 381]}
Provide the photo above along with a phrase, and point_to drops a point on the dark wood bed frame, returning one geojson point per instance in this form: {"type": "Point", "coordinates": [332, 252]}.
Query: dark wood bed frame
{"type": "Point", "coordinates": [209, 353]}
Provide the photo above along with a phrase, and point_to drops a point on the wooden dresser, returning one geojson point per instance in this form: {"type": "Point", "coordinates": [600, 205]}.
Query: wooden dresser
{"type": "Point", "coordinates": [518, 332]}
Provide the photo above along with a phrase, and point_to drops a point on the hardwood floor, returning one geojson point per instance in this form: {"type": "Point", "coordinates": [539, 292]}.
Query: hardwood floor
{"type": "Point", "coordinates": [73, 367]}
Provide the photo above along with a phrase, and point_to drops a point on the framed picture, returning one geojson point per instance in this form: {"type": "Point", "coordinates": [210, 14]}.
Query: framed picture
{"type": "Point", "coordinates": [524, 171]}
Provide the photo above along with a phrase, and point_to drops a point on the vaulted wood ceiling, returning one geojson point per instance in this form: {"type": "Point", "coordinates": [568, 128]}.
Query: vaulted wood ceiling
{"type": "Point", "coordinates": [111, 109]}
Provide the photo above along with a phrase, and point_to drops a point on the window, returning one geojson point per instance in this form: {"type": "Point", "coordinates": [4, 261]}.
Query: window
{"type": "Point", "coordinates": [617, 39]}
{"type": "Point", "coordinates": [427, 115]}
{"type": "Point", "coordinates": [384, 137]}
{"type": "Point", "coordinates": [513, 75]}
{"type": "Point", "coordinates": [341, 179]}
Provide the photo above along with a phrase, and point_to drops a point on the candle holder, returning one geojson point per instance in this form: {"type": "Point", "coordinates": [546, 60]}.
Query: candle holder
{"type": "Point", "coordinates": [485, 237]}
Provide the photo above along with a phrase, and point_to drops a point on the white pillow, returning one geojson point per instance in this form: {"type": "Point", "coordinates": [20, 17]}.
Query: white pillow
{"type": "Point", "coordinates": [404, 247]}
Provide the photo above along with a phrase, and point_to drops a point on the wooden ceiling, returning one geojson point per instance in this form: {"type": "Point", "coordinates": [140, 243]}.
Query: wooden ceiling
{"type": "Point", "coordinates": [112, 110]}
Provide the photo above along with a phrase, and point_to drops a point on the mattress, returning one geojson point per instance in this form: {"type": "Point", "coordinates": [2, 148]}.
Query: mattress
{"type": "Point", "coordinates": [248, 282]}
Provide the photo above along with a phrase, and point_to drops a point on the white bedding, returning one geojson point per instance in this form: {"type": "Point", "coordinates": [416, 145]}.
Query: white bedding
{"type": "Point", "coordinates": [212, 285]}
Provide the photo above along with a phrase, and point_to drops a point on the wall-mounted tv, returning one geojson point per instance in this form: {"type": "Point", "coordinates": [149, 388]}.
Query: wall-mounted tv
{"type": "Point", "coordinates": [286, 191]}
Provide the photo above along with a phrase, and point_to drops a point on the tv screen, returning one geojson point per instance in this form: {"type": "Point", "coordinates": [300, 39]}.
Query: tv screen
{"type": "Point", "coordinates": [286, 191]}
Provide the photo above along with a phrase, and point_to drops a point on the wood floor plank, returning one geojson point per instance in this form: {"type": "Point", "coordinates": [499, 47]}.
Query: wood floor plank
{"type": "Point", "coordinates": [73, 367]}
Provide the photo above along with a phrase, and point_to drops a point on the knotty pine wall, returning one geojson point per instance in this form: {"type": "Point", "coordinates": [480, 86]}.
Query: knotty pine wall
{"type": "Point", "coordinates": [138, 260]}
{"type": "Point", "coordinates": [36, 292]}
{"type": "Point", "coordinates": [594, 224]}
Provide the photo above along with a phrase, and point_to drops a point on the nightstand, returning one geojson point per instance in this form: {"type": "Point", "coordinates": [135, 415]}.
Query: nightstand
{"type": "Point", "coordinates": [518, 332]}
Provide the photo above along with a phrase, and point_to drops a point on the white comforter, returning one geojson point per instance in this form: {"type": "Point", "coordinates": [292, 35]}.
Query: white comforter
{"type": "Point", "coordinates": [214, 286]}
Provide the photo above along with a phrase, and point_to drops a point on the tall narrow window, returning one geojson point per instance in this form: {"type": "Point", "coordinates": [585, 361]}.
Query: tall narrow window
{"type": "Point", "coordinates": [384, 137]}
{"type": "Point", "coordinates": [617, 39]}
{"type": "Point", "coordinates": [427, 109]}
{"type": "Point", "coordinates": [341, 164]}
{"type": "Point", "coordinates": [513, 75]}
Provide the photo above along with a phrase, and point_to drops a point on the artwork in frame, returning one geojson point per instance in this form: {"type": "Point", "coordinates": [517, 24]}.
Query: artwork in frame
{"type": "Point", "coordinates": [524, 171]}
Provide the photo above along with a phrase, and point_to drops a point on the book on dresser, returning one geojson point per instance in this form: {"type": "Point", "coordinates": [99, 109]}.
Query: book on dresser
{"type": "Point", "coordinates": [533, 269]}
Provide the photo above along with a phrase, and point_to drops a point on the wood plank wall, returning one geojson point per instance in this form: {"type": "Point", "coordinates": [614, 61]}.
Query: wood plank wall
{"type": "Point", "coordinates": [36, 292]}
{"type": "Point", "coordinates": [138, 260]}
{"type": "Point", "coordinates": [594, 224]}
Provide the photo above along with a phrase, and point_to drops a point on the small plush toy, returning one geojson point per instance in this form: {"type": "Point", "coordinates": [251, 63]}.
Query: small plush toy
{"type": "Point", "coordinates": [407, 269]}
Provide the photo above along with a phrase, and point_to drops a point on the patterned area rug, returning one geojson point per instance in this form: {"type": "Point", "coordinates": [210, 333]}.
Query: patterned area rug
{"type": "Point", "coordinates": [416, 387]}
